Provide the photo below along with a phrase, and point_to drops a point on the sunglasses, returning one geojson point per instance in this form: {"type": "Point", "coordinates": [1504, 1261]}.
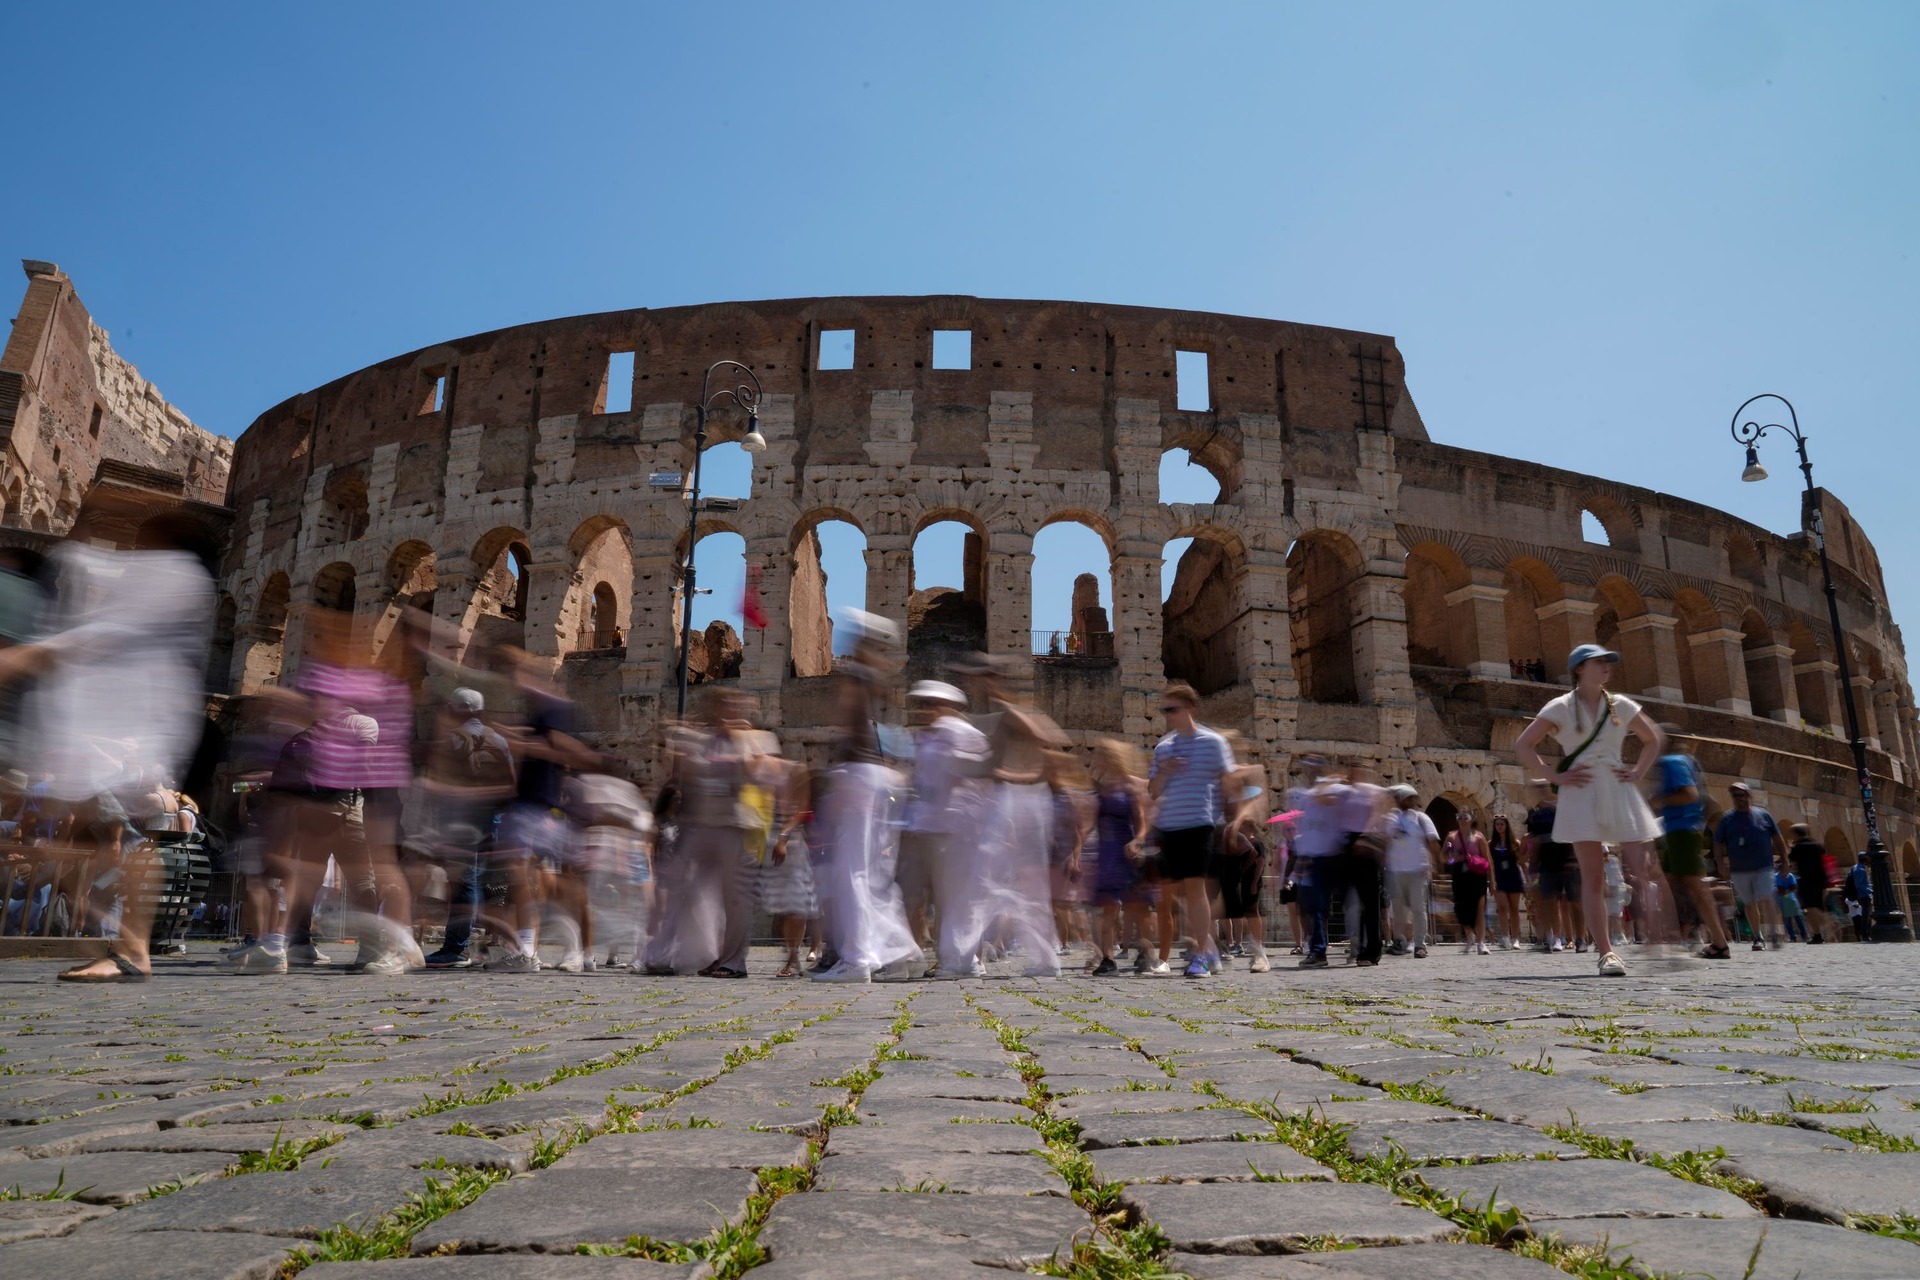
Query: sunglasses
{"type": "Point", "coordinates": [1170, 708]}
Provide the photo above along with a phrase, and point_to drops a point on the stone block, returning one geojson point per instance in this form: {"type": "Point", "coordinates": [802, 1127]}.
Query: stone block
{"type": "Point", "coordinates": [1389, 1262]}
{"type": "Point", "coordinates": [1587, 1189]}
{"type": "Point", "coordinates": [112, 1177]}
{"type": "Point", "coordinates": [1271, 1217]}
{"type": "Point", "coordinates": [1835, 1187]}
{"type": "Point", "coordinates": [686, 1148]}
{"type": "Point", "coordinates": [935, 1170]}
{"type": "Point", "coordinates": [1710, 1249]}
{"type": "Point", "coordinates": [165, 1255]}
{"type": "Point", "coordinates": [1006, 1231]}
{"type": "Point", "coordinates": [554, 1210]}
{"type": "Point", "coordinates": [1207, 1162]}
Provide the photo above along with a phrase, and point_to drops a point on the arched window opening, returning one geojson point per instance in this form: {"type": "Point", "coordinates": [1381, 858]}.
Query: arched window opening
{"type": "Point", "coordinates": [1321, 569]}
{"type": "Point", "coordinates": [1757, 649]}
{"type": "Point", "coordinates": [603, 622]}
{"type": "Point", "coordinates": [1183, 479]}
{"type": "Point", "coordinates": [1526, 648]}
{"type": "Point", "coordinates": [1430, 641]}
{"type": "Point", "coordinates": [1592, 530]}
{"type": "Point", "coordinates": [497, 610]}
{"type": "Point", "coordinates": [726, 471]}
{"type": "Point", "coordinates": [1200, 614]}
{"type": "Point", "coordinates": [594, 615]}
{"type": "Point", "coordinates": [947, 612]}
{"type": "Point", "coordinates": [829, 575]}
{"type": "Point", "coordinates": [333, 587]}
{"type": "Point", "coordinates": [720, 579]}
{"type": "Point", "coordinates": [261, 660]}
{"type": "Point", "coordinates": [1072, 592]}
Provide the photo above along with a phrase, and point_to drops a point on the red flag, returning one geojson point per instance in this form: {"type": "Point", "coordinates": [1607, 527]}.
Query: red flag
{"type": "Point", "coordinates": [751, 611]}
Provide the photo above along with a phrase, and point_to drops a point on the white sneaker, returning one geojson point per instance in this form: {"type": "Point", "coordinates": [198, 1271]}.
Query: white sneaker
{"type": "Point", "coordinates": [572, 962]}
{"type": "Point", "coordinates": [388, 964]}
{"type": "Point", "coordinates": [1557, 945]}
{"type": "Point", "coordinates": [258, 959]}
{"type": "Point", "coordinates": [1161, 967]}
{"type": "Point", "coordinates": [898, 971]}
{"type": "Point", "coordinates": [1259, 963]}
{"type": "Point", "coordinates": [845, 971]}
{"type": "Point", "coordinates": [1513, 944]}
{"type": "Point", "coordinates": [1612, 966]}
{"type": "Point", "coordinates": [1483, 949]}
{"type": "Point", "coordinates": [514, 962]}
{"type": "Point", "coordinates": [306, 955]}
{"type": "Point", "coordinates": [977, 969]}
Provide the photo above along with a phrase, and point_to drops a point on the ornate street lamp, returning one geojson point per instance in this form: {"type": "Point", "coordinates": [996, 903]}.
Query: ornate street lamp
{"type": "Point", "coordinates": [746, 395]}
{"type": "Point", "coordinates": [1889, 924]}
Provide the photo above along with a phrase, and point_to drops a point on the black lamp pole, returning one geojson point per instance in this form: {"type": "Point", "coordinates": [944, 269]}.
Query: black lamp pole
{"type": "Point", "coordinates": [747, 396]}
{"type": "Point", "coordinates": [1889, 923]}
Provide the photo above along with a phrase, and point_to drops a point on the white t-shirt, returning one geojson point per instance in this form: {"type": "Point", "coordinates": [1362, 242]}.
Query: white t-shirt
{"type": "Point", "coordinates": [948, 757]}
{"type": "Point", "coordinates": [1408, 852]}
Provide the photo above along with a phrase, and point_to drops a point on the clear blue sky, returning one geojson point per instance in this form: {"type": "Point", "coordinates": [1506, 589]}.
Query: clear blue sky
{"type": "Point", "coordinates": [1593, 229]}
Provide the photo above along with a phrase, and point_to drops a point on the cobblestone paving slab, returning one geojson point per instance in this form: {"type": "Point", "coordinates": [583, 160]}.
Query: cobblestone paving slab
{"type": "Point", "coordinates": [1269, 1217]}
{"type": "Point", "coordinates": [1392, 1262]}
{"type": "Point", "coordinates": [181, 1255]}
{"type": "Point", "coordinates": [1836, 1188]}
{"type": "Point", "coordinates": [537, 1105]}
{"type": "Point", "coordinates": [1207, 1162]}
{"type": "Point", "coordinates": [1008, 1231]}
{"type": "Point", "coordinates": [1708, 1249]}
{"type": "Point", "coordinates": [508, 1267]}
{"type": "Point", "coordinates": [111, 1177]}
{"type": "Point", "coordinates": [555, 1210]}
{"type": "Point", "coordinates": [1587, 1189]}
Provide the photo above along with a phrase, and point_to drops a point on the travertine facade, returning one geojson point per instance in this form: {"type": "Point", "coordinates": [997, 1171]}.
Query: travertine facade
{"type": "Point", "coordinates": [68, 403]}
{"type": "Point", "coordinates": [1357, 589]}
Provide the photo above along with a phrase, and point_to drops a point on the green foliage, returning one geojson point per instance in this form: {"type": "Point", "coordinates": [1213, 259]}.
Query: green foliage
{"type": "Point", "coordinates": [1873, 1136]}
{"type": "Point", "coordinates": [391, 1236]}
{"type": "Point", "coordinates": [1828, 1106]}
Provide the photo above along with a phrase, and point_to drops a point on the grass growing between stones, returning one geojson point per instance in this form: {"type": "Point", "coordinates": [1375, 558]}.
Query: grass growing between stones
{"type": "Point", "coordinates": [1872, 1136]}
{"type": "Point", "coordinates": [391, 1235]}
{"type": "Point", "coordinates": [1694, 1166]}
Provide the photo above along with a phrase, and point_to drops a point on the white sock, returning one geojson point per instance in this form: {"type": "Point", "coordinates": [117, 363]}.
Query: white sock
{"type": "Point", "coordinates": [527, 942]}
{"type": "Point", "coordinates": [274, 942]}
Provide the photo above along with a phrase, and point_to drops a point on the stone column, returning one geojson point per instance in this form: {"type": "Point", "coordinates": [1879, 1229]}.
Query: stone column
{"type": "Point", "coordinates": [889, 576]}
{"type": "Point", "coordinates": [452, 599]}
{"type": "Point", "coordinates": [1137, 621]}
{"type": "Point", "coordinates": [256, 656]}
{"type": "Point", "coordinates": [1773, 663]}
{"type": "Point", "coordinates": [1263, 645]}
{"type": "Point", "coordinates": [1010, 599]}
{"type": "Point", "coordinates": [1720, 669]}
{"type": "Point", "coordinates": [1863, 701]}
{"type": "Point", "coordinates": [653, 653]}
{"type": "Point", "coordinates": [1822, 711]}
{"type": "Point", "coordinates": [547, 631]}
{"type": "Point", "coordinates": [1379, 633]}
{"type": "Point", "coordinates": [764, 652]}
{"type": "Point", "coordinates": [1565, 625]}
{"type": "Point", "coordinates": [1477, 626]}
{"type": "Point", "coordinates": [1651, 660]}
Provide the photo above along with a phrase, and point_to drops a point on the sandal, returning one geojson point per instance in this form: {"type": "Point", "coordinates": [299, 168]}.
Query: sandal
{"type": "Point", "coordinates": [788, 970]}
{"type": "Point", "coordinates": [1715, 953]}
{"type": "Point", "coordinates": [125, 970]}
{"type": "Point", "coordinates": [721, 971]}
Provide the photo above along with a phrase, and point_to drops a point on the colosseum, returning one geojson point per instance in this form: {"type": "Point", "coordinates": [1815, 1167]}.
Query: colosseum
{"type": "Point", "coordinates": [1356, 589]}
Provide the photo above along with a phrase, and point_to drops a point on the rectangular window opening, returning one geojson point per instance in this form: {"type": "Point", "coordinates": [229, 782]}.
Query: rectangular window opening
{"type": "Point", "coordinates": [93, 427]}
{"type": "Point", "coordinates": [436, 397]}
{"type": "Point", "coordinates": [953, 348]}
{"type": "Point", "coordinates": [1190, 386]}
{"type": "Point", "coordinates": [836, 349]}
{"type": "Point", "coordinates": [616, 391]}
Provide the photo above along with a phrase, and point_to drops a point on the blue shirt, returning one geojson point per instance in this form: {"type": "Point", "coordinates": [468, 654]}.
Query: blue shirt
{"type": "Point", "coordinates": [1748, 837]}
{"type": "Point", "coordinates": [1677, 772]}
{"type": "Point", "coordinates": [1191, 794]}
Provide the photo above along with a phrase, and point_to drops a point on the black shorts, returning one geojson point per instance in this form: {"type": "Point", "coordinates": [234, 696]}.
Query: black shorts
{"type": "Point", "coordinates": [1238, 876]}
{"type": "Point", "coordinates": [1559, 883]}
{"type": "Point", "coordinates": [1186, 854]}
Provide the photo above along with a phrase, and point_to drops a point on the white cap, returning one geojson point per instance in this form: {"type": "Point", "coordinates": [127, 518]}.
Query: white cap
{"type": "Point", "coordinates": [871, 626]}
{"type": "Point", "coordinates": [937, 691]}
{"type": "Point", "coordinates": [467, 700]}
{"type": "Point", "coordinates": [364, 730]}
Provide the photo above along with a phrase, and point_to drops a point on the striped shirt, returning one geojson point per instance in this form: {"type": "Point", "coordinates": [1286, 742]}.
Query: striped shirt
{"type": "Point", "coordinates": [341, 760]}
{"type": "Point", "coordinates": [1191, 796]}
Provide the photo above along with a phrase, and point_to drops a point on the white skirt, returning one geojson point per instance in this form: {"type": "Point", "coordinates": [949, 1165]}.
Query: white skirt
{"type": "Point", "coordinates": [1606, 809]}
{"type": "Point", "coordinates": [865, 917]}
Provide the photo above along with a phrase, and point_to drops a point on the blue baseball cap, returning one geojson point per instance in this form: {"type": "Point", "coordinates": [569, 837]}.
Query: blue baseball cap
{"type": "Point", "coordinates": [1588, 652]}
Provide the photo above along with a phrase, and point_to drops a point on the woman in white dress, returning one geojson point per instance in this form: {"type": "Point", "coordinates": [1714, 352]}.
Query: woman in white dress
{"type": "Point", "coordinates": [1600, 800]}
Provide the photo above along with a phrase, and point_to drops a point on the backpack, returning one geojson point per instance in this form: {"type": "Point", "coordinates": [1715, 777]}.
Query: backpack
{"type": "Point", "coordinates": [484, 758]}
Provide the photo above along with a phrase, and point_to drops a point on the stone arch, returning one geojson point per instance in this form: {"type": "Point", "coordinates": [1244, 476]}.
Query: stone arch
{"type": "Point", "coordinates": [334, 587]}
{"type": "Point", "coordinates": [1435, 636]}
{"type": "Point", "coordinates": [596, 611]}
{"type": "Point", "coordinates": [1202, 614]}
{"type": "Point", "coordinates": [1621, 624]}
{"type": "Point", "coordinates": [343, 514]}
{"type": "Point", "coordinates": [409, 580]}
{"type": "Point", "coordinates": [1693, 615]}
{"type": "Point", "coordinates": [809, 609]}
{"type": "Point", "coordinates": [1446, 807]}
{"type": "Point", "coordinates": [942, 616]}
{"type": "Point", "coordinates": [1179, 482]}
{"type": "Point", "coordinates": [496, 610]}
{"type": "Point", "coordinates": [1766, 690]}
{"type": "Point", "coordinates": [262, 648]}
{"type": "Point", "coordinates": [720, 569]}
{"type": "Point", "coordinates": [1071, 611]}
{"type": "Point", "coordinates": [1620, 522]}
{"type": "Point", "coordinates": [1840, 848]}
{"type": "Point", "coordinates": [1531, 585]}
{"type": "Point", "coordinates": [1322, 569]}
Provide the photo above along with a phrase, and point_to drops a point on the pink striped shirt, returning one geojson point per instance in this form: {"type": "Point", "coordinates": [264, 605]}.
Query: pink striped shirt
{"type": "Point", "coordinates": [340, 760]}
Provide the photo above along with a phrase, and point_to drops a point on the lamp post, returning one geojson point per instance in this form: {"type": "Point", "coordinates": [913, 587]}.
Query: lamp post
{"type": "Point", "coordinates": [1889, 924]}
{"type": "Point", "coordinates": [746, 395]}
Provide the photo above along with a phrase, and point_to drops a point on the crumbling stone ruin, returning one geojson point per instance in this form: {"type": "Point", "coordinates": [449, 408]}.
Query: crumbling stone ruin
{"type": "Point", "coordinates": [1357, 589]}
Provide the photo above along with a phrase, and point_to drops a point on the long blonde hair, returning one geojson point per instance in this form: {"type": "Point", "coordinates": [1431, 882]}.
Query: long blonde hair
{"type": "Point", "coordinates": [1114, 758]}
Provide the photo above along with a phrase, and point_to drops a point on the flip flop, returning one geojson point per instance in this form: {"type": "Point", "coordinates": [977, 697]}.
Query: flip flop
{"type": "Point", "coordinates": [126, 971]}
{"type": "Point", "coordinates": [721, 971]}
{"type": "Point", "coordinates": [787, 971]}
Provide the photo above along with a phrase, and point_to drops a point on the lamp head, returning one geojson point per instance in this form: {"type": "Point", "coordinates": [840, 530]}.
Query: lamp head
{"type": "Point", "coordinates": [753, 441]}
{"type": "Point", "coordinates": [1754, 471]}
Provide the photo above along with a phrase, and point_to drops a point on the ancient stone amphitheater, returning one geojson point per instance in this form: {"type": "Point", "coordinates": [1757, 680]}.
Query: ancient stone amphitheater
{"type": "Point", "coordinates": [1356, 589]}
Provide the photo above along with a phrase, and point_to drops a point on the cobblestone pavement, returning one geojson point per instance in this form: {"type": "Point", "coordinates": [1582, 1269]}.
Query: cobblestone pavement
{"type": "Point", "coordinates": [1484, 1117]}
